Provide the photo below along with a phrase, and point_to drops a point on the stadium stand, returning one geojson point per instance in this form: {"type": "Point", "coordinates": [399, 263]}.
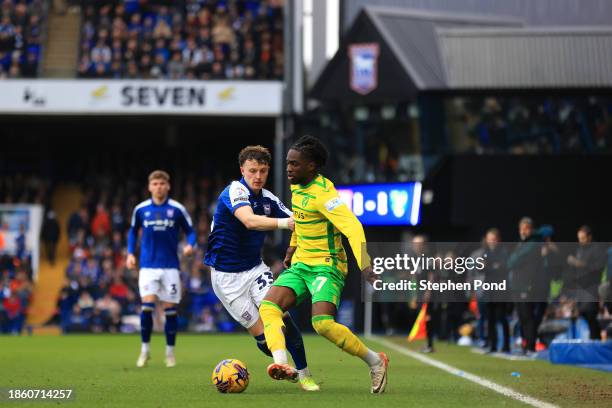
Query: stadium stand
{"type": "Point", "coordinates": [182, 40]}
{"type": "Point", "coordinates": [535, 126]}
{"type": "Point", "coordinates": [21, 32]}
{"type": "Point", "coordinates": [16, 287]}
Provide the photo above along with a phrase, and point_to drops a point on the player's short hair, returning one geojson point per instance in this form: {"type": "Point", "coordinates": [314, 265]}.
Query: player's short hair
{"type": "Point", "coordinates": [159, 174]}
{"type": "Point", "coordinates": [526, 220]}
{"type": "Point", "coordinates": [313, 149]}
{"type": "Point", "coordinates": [258, 153]}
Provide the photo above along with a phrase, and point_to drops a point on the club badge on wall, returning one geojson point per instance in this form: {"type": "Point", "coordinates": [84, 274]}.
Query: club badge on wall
{"type": "Point", "coordinates": [364, 67]}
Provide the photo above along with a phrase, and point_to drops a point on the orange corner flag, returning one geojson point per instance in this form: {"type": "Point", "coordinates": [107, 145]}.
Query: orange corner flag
{"type": "Point", "coordinates": [419, 330]}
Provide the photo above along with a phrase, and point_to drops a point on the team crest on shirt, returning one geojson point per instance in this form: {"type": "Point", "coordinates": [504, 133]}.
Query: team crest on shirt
{"type": "Point", "coordinates": [247, 316]}
{"type": "Point", "coordinates": [305, 201]}
{"type": "Point", "coordinates": [147, 213]}
{"type": "Point", "coordinates": [267, 209]}
{"type": "Point", "coordinates": [170, 212]}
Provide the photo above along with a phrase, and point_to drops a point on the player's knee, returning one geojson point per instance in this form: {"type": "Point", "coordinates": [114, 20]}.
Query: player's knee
{"type": "Point", "coordinates": [148, 307]}
{"type": "Point", "coordinates": [269, 310]}
{"type": "Point", "coordinates": [322, 326]}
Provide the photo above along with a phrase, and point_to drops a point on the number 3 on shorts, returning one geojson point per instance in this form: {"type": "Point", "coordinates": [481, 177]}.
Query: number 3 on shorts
{"type": "Point", "coordinates": [318, 283]}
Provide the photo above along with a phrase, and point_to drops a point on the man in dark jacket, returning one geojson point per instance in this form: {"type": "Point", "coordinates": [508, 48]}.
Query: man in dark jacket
{"type": "Point", "coordinates": [50, 235]}
{"type": "Point", "coordinates": [495, 271]}
{"type": "Point", "coordinates": [586, 268]}
{"type": "Point", "coordinates": [526, 268]}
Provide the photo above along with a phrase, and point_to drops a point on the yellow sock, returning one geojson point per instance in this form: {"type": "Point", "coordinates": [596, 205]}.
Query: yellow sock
{"type": "Point", "coordinates": [340, 335]}
{"type": "Point", "coordinates": [272, 317]}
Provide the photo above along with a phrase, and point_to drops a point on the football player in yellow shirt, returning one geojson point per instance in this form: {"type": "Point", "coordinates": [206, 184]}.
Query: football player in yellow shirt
{"type": "Point", "coordinates": [317, 264]}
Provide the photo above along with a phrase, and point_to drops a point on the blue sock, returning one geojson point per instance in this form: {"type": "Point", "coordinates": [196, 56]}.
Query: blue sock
{"type": "Point", "coordinates": [295, 344]}
{"type": "Point", "coordinates": [171, 326]}
{"type": "Point", "coordinates": [146, 321]}
{"type": "Point", "coordinates": [262, 345]}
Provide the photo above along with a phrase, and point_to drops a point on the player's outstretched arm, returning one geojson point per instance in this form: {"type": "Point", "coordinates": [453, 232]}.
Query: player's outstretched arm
{"type": "Point", "coordinates": [256, 222]}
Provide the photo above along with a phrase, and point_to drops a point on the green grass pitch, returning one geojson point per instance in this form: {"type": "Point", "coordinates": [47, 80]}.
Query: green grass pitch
{"type": "Point", "coordinates": [101, 369]}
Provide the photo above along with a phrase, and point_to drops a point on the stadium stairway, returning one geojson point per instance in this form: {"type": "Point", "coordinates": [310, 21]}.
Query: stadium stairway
{"type": "Point", "coordinates": [61, 51]}
{"type": "Point", "coordinates": [66, 199]}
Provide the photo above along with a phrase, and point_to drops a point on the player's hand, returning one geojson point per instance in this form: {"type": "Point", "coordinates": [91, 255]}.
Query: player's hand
{"type": "Point", "coordinates": [369, 275]}
{"type": "Point", "coordinates": [288, 256]}
{"type": "Point", "coordinates": [130, 261]}
{"type": "Point", "coordinates": [291, 224]}
{"type": "Point", "coordinates": [187, 250]}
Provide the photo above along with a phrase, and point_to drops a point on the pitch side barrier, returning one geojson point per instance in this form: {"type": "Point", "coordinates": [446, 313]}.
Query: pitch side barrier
{"type": "Point", "coordinates": [507, 272]}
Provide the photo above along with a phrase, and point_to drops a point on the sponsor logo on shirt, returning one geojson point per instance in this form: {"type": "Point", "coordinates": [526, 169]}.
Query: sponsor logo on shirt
{"type": "Point", "coordinates": [239, 196]}
{"type": "Point", "coordinates": [159, 225]}
{"type": "Point", "coordinates": [333, 203]}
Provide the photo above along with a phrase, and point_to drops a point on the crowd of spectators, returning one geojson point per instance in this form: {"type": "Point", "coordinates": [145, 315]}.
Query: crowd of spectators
{"type": "Point", "coordinates": [20, 37]}
{"type": "Point", "coordinates": [15, 281]}
{"type": "Point", "coordinates": [373, 146]}
{"type": "Point", "coordinates": [535, 125]}
{"type": "Point", "coordinates": [15, 293]}
{"type": "Point", "coordinates": [15, 267]}
{"type": "Point", "coordinates": [188, 39]}
{"type": "Point", "coordinates": [24, 188]}
{"type": "Point", "coordinates": [102, 294]}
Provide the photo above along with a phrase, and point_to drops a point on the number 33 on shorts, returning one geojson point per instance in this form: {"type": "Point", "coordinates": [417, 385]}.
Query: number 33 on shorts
{"type": "Point", "coordinates": [265, 279]}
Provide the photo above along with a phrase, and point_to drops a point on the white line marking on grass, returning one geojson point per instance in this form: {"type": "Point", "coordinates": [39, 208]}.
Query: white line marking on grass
{"type": "Point", "coordinates": [503, 356]}
{"type": "Point", "coordinates": [468, 376]}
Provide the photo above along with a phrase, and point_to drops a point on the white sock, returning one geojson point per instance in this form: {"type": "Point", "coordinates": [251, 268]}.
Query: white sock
{"type": "Point", "coordinates": [372, 358]}
{"type": "Point", "coordinates": [145, 348]}
{"type": "Point", "coordinates": [169, 350]}
{"type": "Point", "coordinates": [303, 373]}
{"type": "Point", "coordinates": [280, 356]}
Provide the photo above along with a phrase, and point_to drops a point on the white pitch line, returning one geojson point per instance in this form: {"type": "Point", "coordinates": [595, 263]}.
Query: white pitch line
{"type": "Point", "coordinates": [468, 376]}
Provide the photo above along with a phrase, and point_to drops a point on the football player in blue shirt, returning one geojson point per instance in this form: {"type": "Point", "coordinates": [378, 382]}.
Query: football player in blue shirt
{"type": "Point", "coordinates": [245, 211]}
{"type": "Point", "coordinates": [160, 219]}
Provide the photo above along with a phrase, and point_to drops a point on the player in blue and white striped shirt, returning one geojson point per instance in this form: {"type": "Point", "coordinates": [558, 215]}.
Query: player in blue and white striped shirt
{"type": "Point", "coordinates": [161, 220]}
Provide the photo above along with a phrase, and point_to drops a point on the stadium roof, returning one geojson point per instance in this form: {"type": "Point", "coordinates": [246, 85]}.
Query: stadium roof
{"type": "Point", "coordinates": [412, 36]}
{"type": "Point", "coordinates": [533, 12]}
{"type": "Point", "coordinates": [527, 58]}
{"type": "Point", "coordinates": [431, 51]}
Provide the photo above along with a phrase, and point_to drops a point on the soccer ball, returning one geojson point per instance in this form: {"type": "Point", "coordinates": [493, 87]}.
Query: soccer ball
{"type": "Point", "coordinates": [230, 376]}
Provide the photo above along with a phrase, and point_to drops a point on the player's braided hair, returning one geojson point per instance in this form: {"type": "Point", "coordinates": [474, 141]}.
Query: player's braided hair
{"type": "Point", "coordinates": [313, 149]}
